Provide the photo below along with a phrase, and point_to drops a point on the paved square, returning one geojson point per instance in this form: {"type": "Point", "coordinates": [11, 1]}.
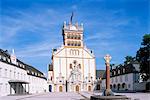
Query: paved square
{"type": "Point", "coordinates": [72, 96]}
{"type": "Point", "coordinates": [46, 96]}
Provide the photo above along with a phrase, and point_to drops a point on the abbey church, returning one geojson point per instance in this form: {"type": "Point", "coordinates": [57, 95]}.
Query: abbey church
{"type": "Point", "coordinates": [73, 66]}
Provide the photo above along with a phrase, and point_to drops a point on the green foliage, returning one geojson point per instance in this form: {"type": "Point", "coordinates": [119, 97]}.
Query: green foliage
{"type": "Point", "coordinates": [143, 57]}
{"type": "Point", "coordinates": [128, 59]}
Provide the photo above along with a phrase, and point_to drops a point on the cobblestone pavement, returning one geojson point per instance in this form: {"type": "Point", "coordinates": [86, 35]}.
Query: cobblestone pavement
{"type": "Point", "coordinates": [72, 96]}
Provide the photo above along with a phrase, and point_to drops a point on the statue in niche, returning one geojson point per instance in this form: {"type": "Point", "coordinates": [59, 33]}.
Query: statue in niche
{"type": "Point", "coordinates": [75, 74]}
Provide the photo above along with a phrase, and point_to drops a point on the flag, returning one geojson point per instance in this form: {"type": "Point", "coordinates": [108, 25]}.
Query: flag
{"type": "Point", "coordinates": [71, 18]}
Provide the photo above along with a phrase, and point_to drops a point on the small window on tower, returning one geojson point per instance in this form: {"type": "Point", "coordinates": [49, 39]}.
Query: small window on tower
{"type": "Point", "coordinates": [79, 37]}
{"type": "Point", "coordinates": [71, 36]}
{"type": "Point", "coordinates": [68, 36]}
{"type": "Point", "coordinates": [75, 37]}
{"type": "Point", "coordinates": [79, 44]}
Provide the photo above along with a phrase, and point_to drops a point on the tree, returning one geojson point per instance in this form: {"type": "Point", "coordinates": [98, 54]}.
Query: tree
{"type": "Point", "coordinates": [143, 57]}
{"type": "Point", "coordinates": [111, 66]}
{"type": "Point", "coordinates": [128, 59]}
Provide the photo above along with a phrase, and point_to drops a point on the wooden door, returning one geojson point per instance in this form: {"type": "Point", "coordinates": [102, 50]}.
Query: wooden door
{"type": "Point", "coordinates": [89, 88]}
{"type": "Point", "coordinates": [60, 89]}
{"type": "Point", "coordinates": [77, 88]}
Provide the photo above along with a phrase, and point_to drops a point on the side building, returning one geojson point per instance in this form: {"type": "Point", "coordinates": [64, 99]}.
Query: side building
{"type": "Point", "coordinates": [123, 77]}
{"type": "Point", "coordinates": [17, 78]}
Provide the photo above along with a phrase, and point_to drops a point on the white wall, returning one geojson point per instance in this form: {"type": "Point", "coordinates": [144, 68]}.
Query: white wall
{"type": "Point", "coordinates": [63, 57]}
{"type": "Point", "coordinates": [126, 78]}
{"type": "Point", "coordinates": [10, 72]}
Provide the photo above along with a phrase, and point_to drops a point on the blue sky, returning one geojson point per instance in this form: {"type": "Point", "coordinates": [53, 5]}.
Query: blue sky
{"type": "Point", "coordinates": [33, 27]}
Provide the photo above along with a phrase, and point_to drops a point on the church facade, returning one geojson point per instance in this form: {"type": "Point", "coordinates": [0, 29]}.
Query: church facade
{"type": "Point", "coordinates": [73, 66]}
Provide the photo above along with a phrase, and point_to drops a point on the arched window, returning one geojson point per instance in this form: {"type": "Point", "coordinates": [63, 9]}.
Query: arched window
{"type": "Point", "coordinates": [114, 86]}
{"type": "Point", "coordinates": [79, 37]}
{"type": "Point", "coordinates": [68, 43]}
{"type": "Point", "coordinates": [72, 43]}
{"type": "Point", "coordinates": [111, 86]}
{"type": "Point", "coordinates": [71, 36]}
{"type": "Point", "coordinates": [68, 36]}
{"type": "Point", "coordinates": [79, 43]}
{"type": "Point", "coordinates": [75, 36]}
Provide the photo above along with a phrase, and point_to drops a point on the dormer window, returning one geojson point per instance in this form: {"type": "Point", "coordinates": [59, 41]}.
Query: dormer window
{"type": "Point", "coordinates": [123, 70]}
{"type": "Point", "coordinates": [4, 58]}
{"type": "Point", "coordinates": [118, 71]}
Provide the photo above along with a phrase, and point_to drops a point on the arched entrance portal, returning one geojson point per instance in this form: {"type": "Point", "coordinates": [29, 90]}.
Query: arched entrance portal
{"type": "Point", "coordinates": [50, 88]}
{"type": "Point", "coordinates": [60, 89]}
{"type": "Point", "coordinates": [89, 88]}
{"type": "Point", "coordinates": [77, 88]}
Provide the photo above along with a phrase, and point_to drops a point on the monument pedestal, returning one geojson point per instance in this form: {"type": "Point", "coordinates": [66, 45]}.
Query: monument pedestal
{"type": "Point", "coordinates": [107, 92]}
{"type": "Point", "coordinates": [115, 97]}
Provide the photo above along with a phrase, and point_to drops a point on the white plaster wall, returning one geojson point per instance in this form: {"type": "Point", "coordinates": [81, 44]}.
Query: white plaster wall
{"type": "Point", "coordinates": [36, 84]}
{"type": "Point", "coordinates": [6, 76]}
{"type": "Point", "coordinates": [127, 82]}
{"type": "Point", "coordinates": [63, 58]}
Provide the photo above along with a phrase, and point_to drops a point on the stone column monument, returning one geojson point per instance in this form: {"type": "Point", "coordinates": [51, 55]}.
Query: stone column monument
{"type": "Point", "coordinates": [107, 92]}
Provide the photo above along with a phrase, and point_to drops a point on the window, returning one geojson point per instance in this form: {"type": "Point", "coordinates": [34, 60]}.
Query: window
{"type": "Point", "coordinates": [1, 87]}
{"type": "Point", "coordinates": [120, 78]}
{"type": "Point", "coordinates": [5, 72]}
{"type": "Point", "coordinates": [123, 70]}
{"type": "Point", "coordinates": [4, 58]}
{"type": "Point", "coordinates": [0, 72]}
{"type": "Point", "coordinates": [126, 77]}
{"type": "Point", "coordinates": [112, 80]}
{"type": "Point", "coordinates": [79, 37]}
{"type": "Point", "coordinates": [24, 76]}
{"type": "Point", "coordinates": [129, 85]}
{"type": "Point", "coordinates": [118, 71]}
{"type": "Point", "coordinates": [6, 87]}
{"type": "Point", "coordinates": [10, 73]}
{"type": "Point", "coordinates": [114, 72]}
{"type": "Point", "coordinates": [116, 79]}
{"type": "Point", "coordinates": [8, 60]}
{"type": "Point", "coordinates": [14, 74]}
{"type": "Point", "coordinates": [18, 75]}
{"type": "Point", "coordinates": [23, 66]}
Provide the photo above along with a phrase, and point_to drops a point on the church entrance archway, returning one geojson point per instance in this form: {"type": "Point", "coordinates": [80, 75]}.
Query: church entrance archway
{"type": "Point", "coordinates": [60, 89]}
{"type": "Point", "coordinates": [50, 88]}
{"type": "Point", "coordinates": [89, 88]}
{"type": "Point", "coordinates": [77, 88]}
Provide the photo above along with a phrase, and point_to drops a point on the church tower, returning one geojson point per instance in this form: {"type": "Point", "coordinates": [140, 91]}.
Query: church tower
{"type": "Point", "coordinates": [73, 64]}
{"type": "Point", "coordinates": [72, 35]}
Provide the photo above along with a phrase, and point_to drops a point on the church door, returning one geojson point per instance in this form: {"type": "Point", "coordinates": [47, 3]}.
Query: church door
{"type": "Point", "coordinates": [50, 88]}
{"type": "Point", "coordinates": [89, 88]}
{"type": "Point", "coordinates": [77, 88]}
{"type": "Point", "coordinates": [60, 89]}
